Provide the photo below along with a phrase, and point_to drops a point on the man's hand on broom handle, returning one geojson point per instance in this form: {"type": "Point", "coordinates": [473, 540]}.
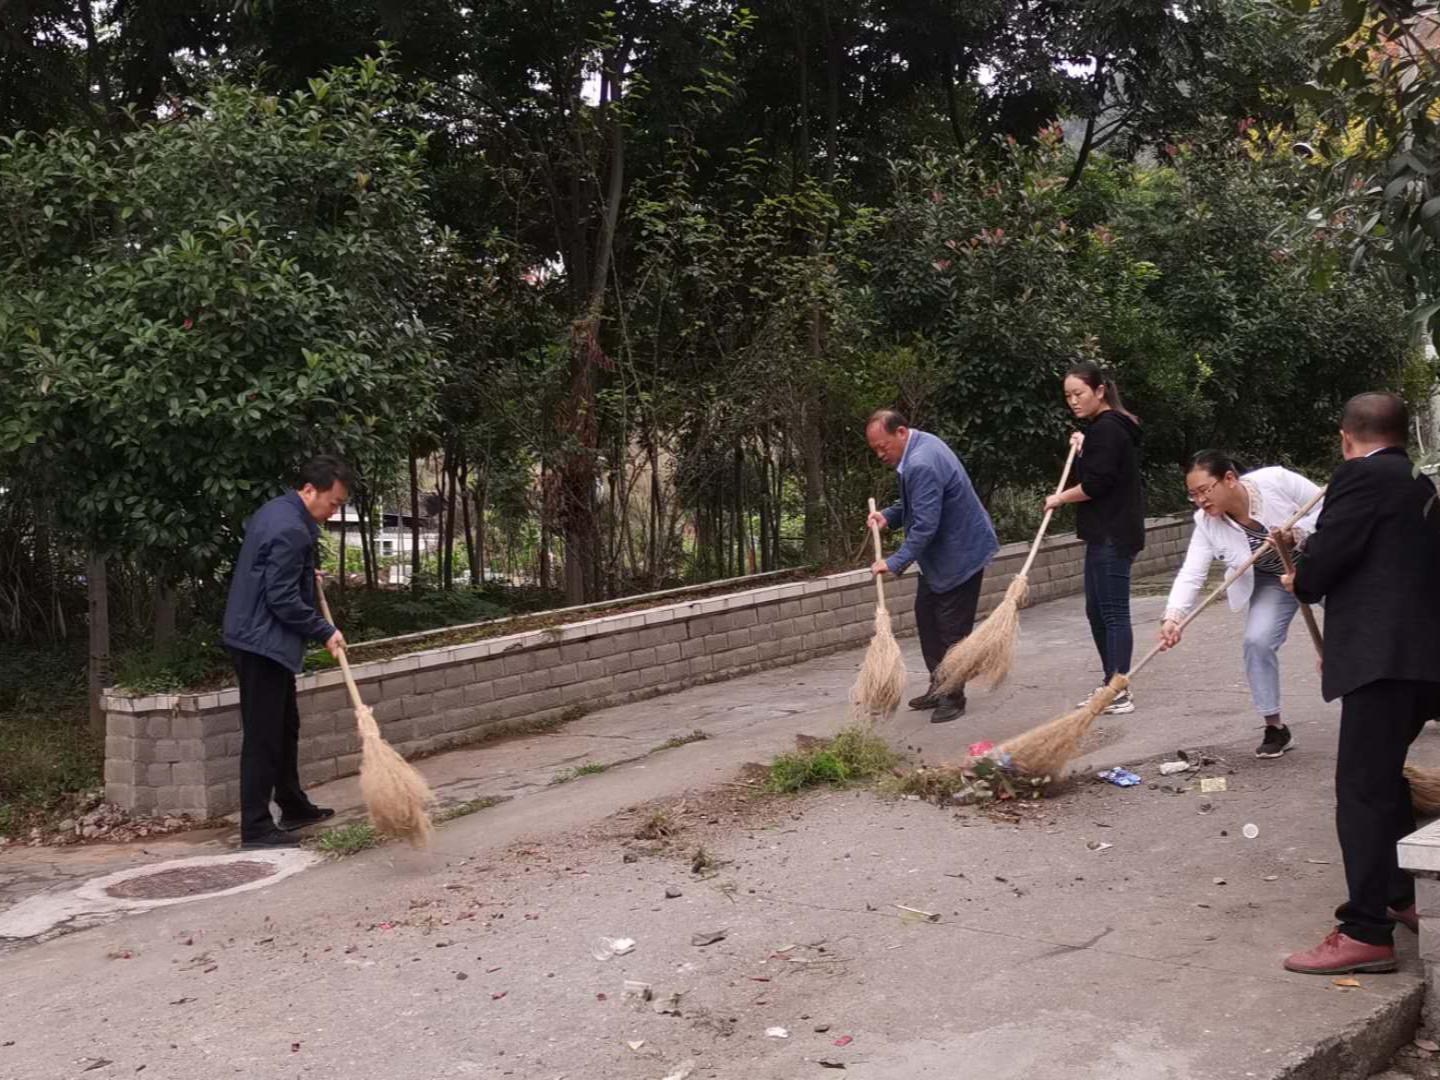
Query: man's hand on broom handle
{"type": "Point", "coordinates": [1170, 634]}
{"type": "Point", "coordinates": [877, 520]}
{"type": "Point", "coordinates": [336, 644]}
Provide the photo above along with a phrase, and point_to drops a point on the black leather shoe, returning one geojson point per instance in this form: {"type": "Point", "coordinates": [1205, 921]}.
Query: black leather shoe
{"type": "Point", "coordinates": [926, 701]}
{"type": "Point", "coordinates": [948, 709]}
{"type": "Point", "coordinates": [273, 839]}
{"type": "Point", "coordinates": [313, 816]}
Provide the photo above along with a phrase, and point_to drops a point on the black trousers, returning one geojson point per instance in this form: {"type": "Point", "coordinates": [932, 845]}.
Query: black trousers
{"type": "Point", "coordinates": [1378, 722]}
{"type": "Point", "coordinates": [270, 750]}
{"type": "Point", "coordinates": [943, 618]}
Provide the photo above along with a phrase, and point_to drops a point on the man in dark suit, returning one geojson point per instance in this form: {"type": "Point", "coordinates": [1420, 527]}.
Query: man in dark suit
{"type": "Point", "coordinates": [1375, 560]}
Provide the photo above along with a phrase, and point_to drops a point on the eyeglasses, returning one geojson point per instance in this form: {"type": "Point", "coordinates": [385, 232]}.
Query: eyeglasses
{"type": "Point", "coordinates": [1197, 495]}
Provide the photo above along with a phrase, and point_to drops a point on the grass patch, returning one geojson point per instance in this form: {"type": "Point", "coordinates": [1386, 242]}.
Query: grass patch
{"type": "Point", "coordinates": [658, 826]}
{"type": "Point", "coordinates": [682, 740]}
{"type": "Point", "coordinates": [463, 809]}
{"type": "Point", "coordinates": [349, 839]}
{"type": "Point", "coordinates": [590, 768]}
{"type": "Point", "coordinates": [853, 756]}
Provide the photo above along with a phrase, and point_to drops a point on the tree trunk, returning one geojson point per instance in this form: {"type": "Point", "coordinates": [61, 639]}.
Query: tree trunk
{"type": "Point", "coordinates": [97, 587]}
{"type": "Point", "coordinates": [448, 574]}
{"type": "Point", "coordinates": [739, 510]}
{"type": "Point", "coordinates": [482, 500]}
{"type": "Point", "coordinates": [1088, 143]}
{"type": "Point", "coordinates": [652, 559]}
{"type": "Point", "coordinates": [952, 103]}
{"type": "Point", "coordinates": [471, 555]}
{"type": "Point", "coordinates": [164, 615]}
{"type": "Point", "coordinates": [833, 57]}
{"type": "Point", "coordinates": [544, 534]}
{"type": "Point", "coordinates": [816, 509]}
{"type": "Point", "coordinates": [415, 562]}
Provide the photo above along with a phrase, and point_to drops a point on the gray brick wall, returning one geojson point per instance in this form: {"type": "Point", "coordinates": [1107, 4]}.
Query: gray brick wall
{"type": "Point", "coordinates": [181, 753]}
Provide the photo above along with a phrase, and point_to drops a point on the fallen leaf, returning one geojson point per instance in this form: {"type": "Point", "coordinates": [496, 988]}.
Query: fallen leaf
{"type": "Point", "coordinates": [636, 1045]}
{"type": "Point", "coordinates": [844, 1040]}
{"type": "Point", "coordinates": [98, 1063]}
{"type": "Point", "coordinates": [1430, 1046]}
{"type": "Point", "coordinates": [826, 1063]}
{"type": "Point", "coordinates": [1219, 881]}
{"type": "Point", "coordinates": [710, 938]}
{"type": "Point", "coordinates": [1347, 983]}
{"type": "Point", "coordinates": [182, 1001]}
{"type": "Point", "coordinates": [294, 1048]}
{"type": "Point", "coordinates": [498, 995]}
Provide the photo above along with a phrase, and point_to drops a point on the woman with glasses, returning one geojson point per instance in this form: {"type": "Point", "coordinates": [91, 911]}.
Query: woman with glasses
{"type": "Point", "coordinates": [1109, 513]}
{"type": "Point", "coordinates": [1234, 517]}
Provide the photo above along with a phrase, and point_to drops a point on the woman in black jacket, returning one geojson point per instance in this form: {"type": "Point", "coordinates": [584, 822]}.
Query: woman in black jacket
{"type": "Point", "coordinates": [1110, 513]}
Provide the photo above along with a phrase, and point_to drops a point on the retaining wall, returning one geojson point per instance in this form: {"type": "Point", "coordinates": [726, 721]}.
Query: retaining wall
{"type": "Point", "coordinates": [181, 752]}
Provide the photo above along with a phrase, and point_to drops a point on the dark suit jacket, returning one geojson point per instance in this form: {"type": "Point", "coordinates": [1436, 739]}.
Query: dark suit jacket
{"type": "Point", "coordinates": [1375, 560]}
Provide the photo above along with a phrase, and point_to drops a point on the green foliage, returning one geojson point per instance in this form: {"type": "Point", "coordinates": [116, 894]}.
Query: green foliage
{"type": "Point", "coordinates": [189, 309]}
{"type": "Point", "coordinates": [853, 756]}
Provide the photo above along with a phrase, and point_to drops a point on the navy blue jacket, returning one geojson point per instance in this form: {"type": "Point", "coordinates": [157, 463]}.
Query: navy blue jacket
{"type": "Point", "coordinates": [272, 606]}
{"type": "Point", "coordinates": [947, 531]}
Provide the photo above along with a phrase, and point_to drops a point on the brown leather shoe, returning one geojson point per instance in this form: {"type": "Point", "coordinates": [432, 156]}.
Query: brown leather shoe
{"type": "Point", "coordinates": [1340, 954]}
{"type": "Point", "coordinates": [1407, 917]}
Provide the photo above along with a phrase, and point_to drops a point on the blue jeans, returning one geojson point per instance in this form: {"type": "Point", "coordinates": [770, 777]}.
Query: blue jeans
{"type": "Point", "coordinates": [1107, 604]}
{"type": "Point", "coordinates": [1267, 622]}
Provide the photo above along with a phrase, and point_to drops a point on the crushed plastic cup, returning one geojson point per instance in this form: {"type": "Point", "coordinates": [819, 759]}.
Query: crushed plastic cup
{"type": "Point", "coordinates": [1120, 777]}
{"type": "Point", "coordinates": [1250, 832]}
{"type": "Point", "coordinates": [978, 748]}
{"type": "Point", "coordinates": [608, 948]}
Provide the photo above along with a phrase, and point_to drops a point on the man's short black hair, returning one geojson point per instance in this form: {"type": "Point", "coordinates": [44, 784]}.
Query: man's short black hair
{"type": "Point", "coordinates": [322, 471]}
{"type": "Point", "coordinates": [891, 419]}
{"type": "Point", "coordinates": [1376, 417]}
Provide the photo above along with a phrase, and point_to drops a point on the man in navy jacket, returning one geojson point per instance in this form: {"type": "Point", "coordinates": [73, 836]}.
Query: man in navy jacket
{"type": "Point", "coordinates": [947, 531]}
{"type": "Point", "coordinates": [270, 615]}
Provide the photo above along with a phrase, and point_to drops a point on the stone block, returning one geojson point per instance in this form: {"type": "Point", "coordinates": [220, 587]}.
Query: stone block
{"type": "Point", "coordinates": [764, 631]}
{"type": "Point", "coordinates": [589, 670]}
{"type": "Point", "coordinates": [772, 651]}
{"type": "Point", "coordinates": [348, 765]}
{"type": "Point", "coordinates": [218, 770]}
{"type": "Point", "coordinates": [509, 686]}
{"type": "Point", "coordinates": [677, 671]}
{"type": "Point", "coordinates": [642, 658]}
{"type": "Point", "coordinates": [521, 663]}
{"type": "Point", "coordinates": [459, 675]}
{"type": "Point", "coordinates": [609, 645]}
{"type": "Point", "coordinates": [737, 639]}
{"type": "Point", "coordinates": [337, 744]}
{"type": "Point", "coordinates": [539, 679]}
{"type": "Point", "coordinates": [430, 680]}
{"type": "Point", "coordinates": [215, 804]}
{"type": "Point", "coordinates": [826, 620]}
{"type": "Point", "coordinates": [399, 731]}
{"type": "Point", "coordinates": [530, 704]}
{"type": "Point", "coordinates": [427, 726]}
{"type": "Point", "coordinates": [479, 693]}
{"type": "Point", "coordinates": [234, 744]}
{"type": "Point", "coordinates": [573, 652]}
{"type": "Point", "coordinates": [459, 720]}
{"type": "Point", "coordinates": [157, 775]}
{"type": "Point", "coordinates": [486, 670]}
{"type": "Point", "coordinates": [214, 746]}
{"type": "Point", "coordinates": [667, 653]}
{"type": "Point", "coordinates": [652, 676]}
{"type": "Point", "coordinates": [1427, 897]}
{"type": "Point", "coordinates": [222, 721]}
{"type": "Point", "coordinates": [317, 772]}
{"type": "Point", "coordinates": [389, 709]}
{"type": "Point", "coordinates": [397, 686]}
{"type": "Point", "coordinates": [747, 656]}
{"type": "Point", "coordinates": [131, 773]}
{"type": "Point", "coordinates": [327, 700]}
{"type": "Point", "coordinates": [188, 773]}
{"type": "Point", "coordinates": [625, 681]}
{"type": "Point", "coordinates": [191, 726]}
{"type": "Point", "coordinates": [444, 700]}
{"type": "Point", "coordinates": [562, 674]}
{"type": "Point", "coordinates": [157, 727]}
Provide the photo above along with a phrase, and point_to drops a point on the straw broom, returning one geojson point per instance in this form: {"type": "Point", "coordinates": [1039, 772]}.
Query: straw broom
{"type": "Point", "coordinates": [985, 655]}
{"type": "Point", "coordinates": [396, 796]}
{"type": "Point", "coordinates": [1424, 783]}
{"type": "Point", "coordinates": [881, 682]}
{"type": "Point", "coordinates": [1044, 752]}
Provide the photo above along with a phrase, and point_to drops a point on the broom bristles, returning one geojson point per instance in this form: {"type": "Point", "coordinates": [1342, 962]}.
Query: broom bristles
{"type": "Point", "coordinates": [986, 654]}
{"type": "Point", "coordinates": [1047, 750]}
{"type": "Point", "coordinates": [396, 795]}
{"type": "Point", "coordinates": [881, 682]}
{"type": "Point", "coordinates": [1424, 790]}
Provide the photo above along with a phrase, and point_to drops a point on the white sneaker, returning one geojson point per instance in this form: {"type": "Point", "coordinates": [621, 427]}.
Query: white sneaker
{"type": "Point", "coordinates": [1123, 703]}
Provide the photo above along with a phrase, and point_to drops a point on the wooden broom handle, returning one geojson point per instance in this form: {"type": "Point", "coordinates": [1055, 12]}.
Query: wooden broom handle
{"type": "Point", "coordinates": [879, 554]}
{"type": "Point", "coordinates": [344, 663]}
{"type": "Point", "coordinates": [1246, 565]}
{"type": "Point", "coordinates": [1045, 522]}
{"type": "Point", "coordinates": [1306, 612]}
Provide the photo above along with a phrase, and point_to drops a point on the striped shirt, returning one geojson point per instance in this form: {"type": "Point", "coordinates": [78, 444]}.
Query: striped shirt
{"type": "Point", "coordinates": [1270, 562]}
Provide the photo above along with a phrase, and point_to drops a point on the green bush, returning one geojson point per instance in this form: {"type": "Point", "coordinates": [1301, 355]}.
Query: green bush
{"type": "Point", "coordinates": [853, 756]}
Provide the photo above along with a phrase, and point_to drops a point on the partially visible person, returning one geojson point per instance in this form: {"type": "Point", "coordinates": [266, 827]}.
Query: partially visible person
{"type": "Point", "coordinates": [1235, 516]}
{"type": "Point", "coordinates": [1375, 561]}
{"type": "Point", "coordinates": [947, 531]}
{"type": "Point", "coordinates": [270, 615]}
{"type": "Point", "coordinates": [1110, 513]}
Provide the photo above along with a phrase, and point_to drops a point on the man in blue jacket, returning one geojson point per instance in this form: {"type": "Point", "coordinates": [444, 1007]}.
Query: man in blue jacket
{"type": "Point", "coordinates": [947, 531]}
{"type": "Point", "coordinates": [270, 615]}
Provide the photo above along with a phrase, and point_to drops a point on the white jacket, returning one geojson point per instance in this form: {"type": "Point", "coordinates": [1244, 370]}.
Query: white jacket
{"type": "Point", "coordinates": [1275, 495]}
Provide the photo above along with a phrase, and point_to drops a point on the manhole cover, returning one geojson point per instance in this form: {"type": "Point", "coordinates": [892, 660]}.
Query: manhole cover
{"type": "Point", "coordinates": [190, 881]}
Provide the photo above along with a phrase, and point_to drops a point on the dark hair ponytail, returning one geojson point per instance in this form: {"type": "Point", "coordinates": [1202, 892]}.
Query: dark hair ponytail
{"type": "Point", "coordinates": [1216, 463]}
{"type": "Point", "coordinates": [1097, 378]}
